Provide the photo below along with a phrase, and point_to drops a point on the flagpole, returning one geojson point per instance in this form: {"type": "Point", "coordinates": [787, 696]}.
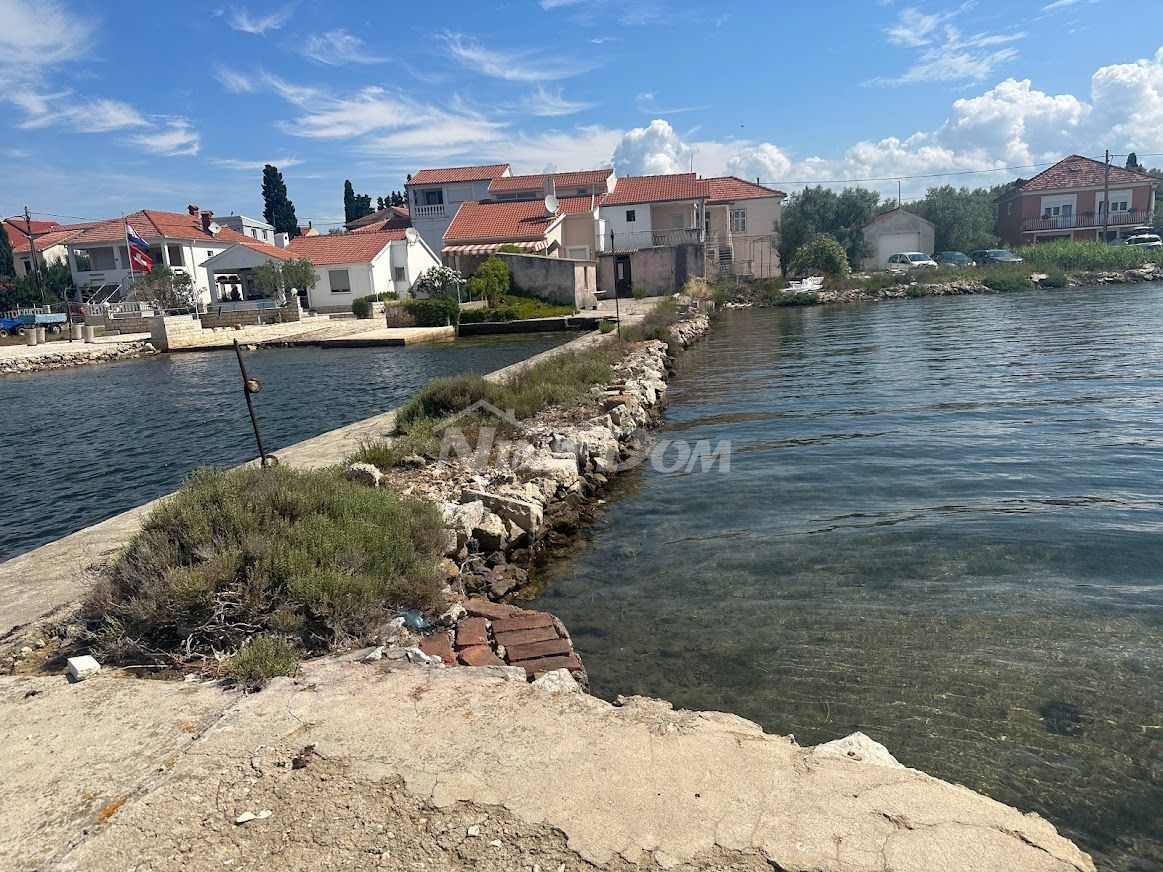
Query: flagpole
{"type": "Point", "coordinates": [129, 255]}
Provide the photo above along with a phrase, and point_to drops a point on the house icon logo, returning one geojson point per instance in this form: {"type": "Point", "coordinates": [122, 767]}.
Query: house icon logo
{"type": "Point", "coordinates": [505, 415]}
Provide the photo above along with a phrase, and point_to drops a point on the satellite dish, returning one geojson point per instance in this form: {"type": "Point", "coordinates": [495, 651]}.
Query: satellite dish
{"type": "Point", "coordinates": [410, 234]}
{"type": "Point", "coordinates": [551, 204]}
{"type": "Point", "coordinates": [213, 227]}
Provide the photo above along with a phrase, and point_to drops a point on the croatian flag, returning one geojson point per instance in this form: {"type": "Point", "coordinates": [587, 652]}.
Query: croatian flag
{"type": "Point", "coordinates": [139, 261]}
{"type": "Point", "coordinates": [135, 240]}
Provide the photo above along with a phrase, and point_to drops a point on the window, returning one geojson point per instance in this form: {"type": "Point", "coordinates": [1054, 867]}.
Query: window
{"type": "Point", "coordinates": [398, 273]}
{"type": "Point", "coordinates": [264, 234]}
{"type": "Point", "coordinates": [339, 282]}
{"type": "Point", "coordinates": [630, 216]}
{"type": "Point", "coordinates": [434, 198]}
{"type": "Point", "coordinates": [81, 258]}
{"type": "Point", "coordinates": [254, 232]}
{"type": "Point", "coordinates": [27, 267]}
{"type": "Point", "coordinates": [738, 220]}
{"type": "Point", "coordinates": [102, 259]}
{"type": "Point", "coordinates": [1009, 208]}
{"type": "Point", "coordinates": [577, 252]}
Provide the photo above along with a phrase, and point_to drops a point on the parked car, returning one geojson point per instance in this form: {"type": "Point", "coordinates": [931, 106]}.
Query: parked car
{"type": "Point", "coordinates": [994, 255]}
{"type": "Point", "coordinates": [1146, 240]}
{"type": "Point", "coordinates": [953, 258]}
{"type": "Point", "coordinates": [906, 260]}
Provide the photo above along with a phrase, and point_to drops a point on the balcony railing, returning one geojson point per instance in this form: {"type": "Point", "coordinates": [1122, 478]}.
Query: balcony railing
{"type": "Point", "coordinates": [1073, 222]}
{"type": "Point", "coordinates": [656, 238]}
{"type": "Point", "coordinates": [436, 211]}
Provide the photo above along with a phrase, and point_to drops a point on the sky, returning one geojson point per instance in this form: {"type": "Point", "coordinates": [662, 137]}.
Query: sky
{"type": "Point", "coordinates": [112, 107]}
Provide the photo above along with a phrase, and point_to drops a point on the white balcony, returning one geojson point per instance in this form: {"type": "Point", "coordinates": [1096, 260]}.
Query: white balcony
{"type": "Point", "coordinates": [436, 211]}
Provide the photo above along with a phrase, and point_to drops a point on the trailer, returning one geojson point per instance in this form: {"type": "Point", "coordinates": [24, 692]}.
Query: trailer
{"type": "Point", "coordinates": [17, 321]}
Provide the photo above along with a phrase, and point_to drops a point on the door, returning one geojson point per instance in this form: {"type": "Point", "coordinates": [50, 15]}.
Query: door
{"type": "Point", "coordinates": [894, 243]}
{"type": "Point", "coordinates": [623, 281]}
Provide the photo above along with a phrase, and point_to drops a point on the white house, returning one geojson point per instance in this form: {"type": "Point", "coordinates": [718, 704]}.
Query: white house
{"type": "Point", "coordinates": [51, 240]}
{"type": "Point", "coordinates": [435, 195]}
{"type": "Point", "coordinates": [739, 225]}
{"type": "Point", "coordinates": [651, 211]}
{"type": "Point", "coordinates": [99, 259]}
{"type": "Point", "coordinates": [351, 265]}
{"type": "Point", "coordinates": [255, 228]}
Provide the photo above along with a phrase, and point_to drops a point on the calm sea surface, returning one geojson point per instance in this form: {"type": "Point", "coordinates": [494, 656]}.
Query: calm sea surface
{"type": "Point", "coordinates": [942, 525]}
{"type": "Point", "coordinates": [80, 445]}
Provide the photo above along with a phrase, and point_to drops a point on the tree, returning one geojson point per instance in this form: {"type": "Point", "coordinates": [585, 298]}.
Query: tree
{"type": "Point", "coordinates": [440, 281]}
{"type": "Point", "coordinates": [490, 282]}
{"type": "Point", "coordinates": [278, 210]}
{"type": "Point", "coordinates": [277, 280]}
{"type": "Point", "coordinates": [167, 288]}
{"type": "Point", "coordinates": [348, 202]}
{"type": "Point", "coordinates": [7, 266]}
{"type": "Point", "coordinates": [963, 219]}
{"type": "Point", "coordinates": [397, 198]}
{"type": "Point", "coordinates": [299, 274]}
{"type": "Point", "coordinates": [1133, 163]}
{"type": "Point", "coordinates": [821, 255]}
{"type": "Point", "coordinates": [821, 210]}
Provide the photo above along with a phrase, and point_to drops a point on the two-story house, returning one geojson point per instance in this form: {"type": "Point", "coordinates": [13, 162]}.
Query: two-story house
{"type": "Point", "coordinates": [255, 228]}
{"type": "Point", "coordinates": [99, 258]}
{"type": "Point", "coordinates": [652, 211]}
{"type": "Point", "coordinates": [1070, 201]}
{"type": "Point", "coordinates": [740, 226]}
{"type": "Point", "coordinates": [434, 195]}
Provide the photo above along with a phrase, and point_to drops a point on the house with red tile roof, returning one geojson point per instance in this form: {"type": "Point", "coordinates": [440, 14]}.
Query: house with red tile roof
{"type": "Point", "coordinates": [391, 218]}
{"type": "Point", "coordinates": [434, 195]}
{"type": "Point", "coordinates": [50, 239]}
{"type": "Point", "coordinates": [482, 226]}
{"type": "Point", "coordinates": [740, 226]}
{"type": "Point", "coordinates": [652, 211]}
{"type": "Point", "coordinates": [183, 241]}
{"type": "Point", "coordinates": [351, 265]}
{"type": "Point", "coordinates": [584, 183]}
{"type": "Point", "coordinates": [1069, 201]}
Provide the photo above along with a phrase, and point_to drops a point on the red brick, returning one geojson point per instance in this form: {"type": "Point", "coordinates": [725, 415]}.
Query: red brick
{"type": "Point", "coordinates": [526, 621]}
{"type": "Point", "coordinates": [472, 631]}
{"type": "Point", "coordinates": [438, 646]}
{"type": "Point", "coordinates": [482, 608]}
{"type": "Point", "coordinates": [480, 655]}
{"type": "Point", "coordinates": [537, 668]}
{"type": "Point", "coordinates": [548, 648]}
{"type": "Point", "coordinates": [524, 637]}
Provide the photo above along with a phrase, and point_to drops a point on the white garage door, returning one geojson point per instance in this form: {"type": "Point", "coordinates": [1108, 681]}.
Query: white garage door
{"type": "Point", "coordinates": [894, 243]}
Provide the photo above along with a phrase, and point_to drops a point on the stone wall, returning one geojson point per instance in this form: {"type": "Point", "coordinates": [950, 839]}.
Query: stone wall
{"type": "Point", "coordinates": [658, 271]}
{"type": "Point", "coordinates": [569, 282]}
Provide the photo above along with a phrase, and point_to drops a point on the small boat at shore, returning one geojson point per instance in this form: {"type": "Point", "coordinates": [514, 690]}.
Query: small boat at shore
{"type": "Point", "coordinates": [811, 283]}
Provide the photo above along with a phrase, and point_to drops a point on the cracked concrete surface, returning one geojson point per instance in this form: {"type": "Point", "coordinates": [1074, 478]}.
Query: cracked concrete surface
{"type": "Point", "coordinates": [152, 775]}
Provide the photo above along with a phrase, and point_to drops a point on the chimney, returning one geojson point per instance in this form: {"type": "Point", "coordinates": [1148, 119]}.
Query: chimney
{"type": "Point", "coordinates": [193, 210]}
{"type": "Point", "coordinates": [309, 225]}
{"type": "Point", "coordinates": [207, 220]}
{"type": "Point", "coordinates": [282, 240]}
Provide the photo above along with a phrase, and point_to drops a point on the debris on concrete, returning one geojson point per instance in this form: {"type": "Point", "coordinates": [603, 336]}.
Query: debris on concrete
{"type": "Point", "coordinates": [83, 667]}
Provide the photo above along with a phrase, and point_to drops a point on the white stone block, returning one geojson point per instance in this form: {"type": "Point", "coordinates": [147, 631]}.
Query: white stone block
{"type": "Point", "coordinates": [84, 667]}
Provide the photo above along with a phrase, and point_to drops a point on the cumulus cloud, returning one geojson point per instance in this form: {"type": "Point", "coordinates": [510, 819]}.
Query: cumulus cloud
{"type": "Point", "coordinates": [652, 150]}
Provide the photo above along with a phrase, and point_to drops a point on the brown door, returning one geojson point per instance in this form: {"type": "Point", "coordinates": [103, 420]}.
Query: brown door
{"type": "Point", "coordinates": [623, 281]}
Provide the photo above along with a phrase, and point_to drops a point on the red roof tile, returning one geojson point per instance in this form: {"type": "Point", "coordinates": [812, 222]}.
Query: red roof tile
{"type": "Point", "coordinates": [579, 179]}
{"type": "Point", "coordinates": [382, 216]}
{"type": "Point", "coordinates": [654, 189]}
{"type": "Point", "coordinates": [1076, 171]}
{"type": "Point", "coordinates": [336, 248]}
{"type": "Point", "coordinates": [17, 222]}
{"type": "Point", "coordinates": [379, 226]}
{"type": "Point", "coordinates": [58, 235]}
{"type": "Point", "coordinates": [728, 189]}
{"type": "Point", "coordinates": [459, 174]}
{"type": "Point", "coordinates": [150, 224]}
{"type": "Point", "coordinates": [509, 219]}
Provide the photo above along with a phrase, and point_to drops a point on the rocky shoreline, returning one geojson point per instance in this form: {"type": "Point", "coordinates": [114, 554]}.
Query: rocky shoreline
{"type": "Point", "coordinates": [533, 493]}
{"type": "Point", "coordinates": [78, 357]}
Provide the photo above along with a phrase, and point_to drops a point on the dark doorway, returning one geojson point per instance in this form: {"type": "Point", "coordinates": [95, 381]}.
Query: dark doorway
{"type": "Point", "coordinates": [623, 281]}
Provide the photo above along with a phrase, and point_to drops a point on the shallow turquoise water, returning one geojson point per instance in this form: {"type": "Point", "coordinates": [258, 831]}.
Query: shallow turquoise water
{"type": "Point", "coordinates": [942, 525]}
{"type": "Point", "coordinates": [80, 445]}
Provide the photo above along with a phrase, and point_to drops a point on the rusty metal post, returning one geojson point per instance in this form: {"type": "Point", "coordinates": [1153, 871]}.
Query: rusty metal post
{"type": "Point", "coordinates": [253, 386]}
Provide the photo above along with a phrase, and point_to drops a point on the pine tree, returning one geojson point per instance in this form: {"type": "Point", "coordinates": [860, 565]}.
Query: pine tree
{"type": "Point", "coordinates": [1133, 163]}
{"type": "Point", "coordinates": [278, 210]}
{"type": "Point", "coordinates": [348, 202]}
{"type": "Point", "coordinates": [7, 267]}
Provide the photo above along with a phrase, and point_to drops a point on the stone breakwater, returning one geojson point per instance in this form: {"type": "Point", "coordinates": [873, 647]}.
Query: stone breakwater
{"type": "Point", "coordinates": [75, 356]}
{"type": "Point", "coordinates": [531, 492]}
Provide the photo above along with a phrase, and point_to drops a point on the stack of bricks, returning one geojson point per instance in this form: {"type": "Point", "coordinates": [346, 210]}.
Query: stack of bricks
{"type": "Point", "coordinates": [535, 641]}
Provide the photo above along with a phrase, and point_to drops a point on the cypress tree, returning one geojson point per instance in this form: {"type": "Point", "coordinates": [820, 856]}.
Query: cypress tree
{"type": "Point", "coordinates": [348, 202]}
{"type": "Point", "coordinates": [278, 210]}
{"type": "Point", "coordinates": [7, 266]}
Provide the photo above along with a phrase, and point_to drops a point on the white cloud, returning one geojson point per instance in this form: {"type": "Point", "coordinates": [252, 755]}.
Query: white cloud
{"type": "Point", "coordinates": [229, 163]}
{"type": "Point", "coordinates": [946, 53]}
{"type": "Point", "coordinates": [38, 34]}
{"type": "Point", "coordinates": [176, 139]}
{"type": "Point", "coordinates": [338, 47]}
{"type": "Point", "coordinates": [556, 4]}
{"type": "Point", "coordinates": [646, 102]}
{"type": "Point", "coordinates": [510, 66]}
{"type": "Point", "coordinates": [242, 20]}
{"type": "Point", "coordinates": [65, 109]}
{"type": "Point", "coordinates": [546, 103]}
{"type": "Point", "coordinates": [652, 150]}
{"type": "Point", "coordinates": [235, 82]}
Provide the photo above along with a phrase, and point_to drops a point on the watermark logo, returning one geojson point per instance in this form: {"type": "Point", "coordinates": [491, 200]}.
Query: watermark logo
{"type": "Point", "coordinates": [667, 456]}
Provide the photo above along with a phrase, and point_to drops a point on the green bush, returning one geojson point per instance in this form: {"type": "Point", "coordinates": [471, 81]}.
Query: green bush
{"type": "Point", "coordinates": [1054, 279]}
{"type": "Point", "coordinates": [362, 306]}
{"type": "Point", "coordinates": [265, 657]}
{"type": "Point", "coordinates": [434, 312]}
{"type": "Point", "coordinates": [1077, 255]}
{"type": "Point", "coordinates": [918, 291]}
{"type": "Point", "coordinates": [639, 293]}
{"type": "Point", "coordinates": [490, 282]}
{"type": "Point", "coordinates": [1006, 282]}
{"type": "Point", "coordinates": [798, 298]}
{"type": "Point", "coordinates": [606, 327]}
{"type": "Point", "coordinates": [516, 307]}
{"type": "Point", "coordinates": [820, 255]}
{"type": "Point", "coordinates": [235, 555]}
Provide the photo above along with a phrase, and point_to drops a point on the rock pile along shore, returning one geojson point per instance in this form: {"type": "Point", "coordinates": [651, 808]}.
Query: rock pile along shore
{"type": "Point", "coordinates": [69, 358]}
{"type": "Point", "coordinates": [529, 493]}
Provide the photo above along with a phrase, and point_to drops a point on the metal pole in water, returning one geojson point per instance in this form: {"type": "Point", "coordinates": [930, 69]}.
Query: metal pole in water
{"type": "Point", "coordinates": [253, 386]}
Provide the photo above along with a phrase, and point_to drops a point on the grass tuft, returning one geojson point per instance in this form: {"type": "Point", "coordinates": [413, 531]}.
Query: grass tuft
{"type": "Point", "coordinates": [264, 658]}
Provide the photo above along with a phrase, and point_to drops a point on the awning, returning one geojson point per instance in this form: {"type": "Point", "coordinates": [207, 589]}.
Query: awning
{"type": "Point", "coordinates": [490, 247]}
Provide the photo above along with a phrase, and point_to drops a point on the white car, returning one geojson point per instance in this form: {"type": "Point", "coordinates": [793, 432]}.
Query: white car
{"type": "Point", "coordinates": [907, 260]}
{"type": "Point", "coordinates": [1146, 240]}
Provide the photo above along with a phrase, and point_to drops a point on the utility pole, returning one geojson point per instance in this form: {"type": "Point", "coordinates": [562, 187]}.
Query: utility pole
{"type": "Point", "coordinates": [35, 259]}
{"type": "Point", "coordinates": [1106, 191]}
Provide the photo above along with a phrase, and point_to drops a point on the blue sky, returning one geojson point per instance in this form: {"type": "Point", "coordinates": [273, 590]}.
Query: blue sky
{"type": "Point", "coordinates": [110, 107]}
